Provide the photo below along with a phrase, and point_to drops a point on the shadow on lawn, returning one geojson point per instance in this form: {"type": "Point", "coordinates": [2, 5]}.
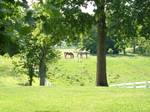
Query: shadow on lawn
{"type": "Point", "coordinates": [47, 111]}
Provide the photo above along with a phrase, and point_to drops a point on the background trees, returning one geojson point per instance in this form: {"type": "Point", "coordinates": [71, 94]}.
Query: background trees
{"type": "Point", "coordinates": [34, 30]}
{"type": "Point", "coordinates": [8, 14]}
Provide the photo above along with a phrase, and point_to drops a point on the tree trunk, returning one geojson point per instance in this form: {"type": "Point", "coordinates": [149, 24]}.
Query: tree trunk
{"type": "Point", "coordinates": [42, 67]}
{"type": "Point", "coordinates": [30, 80]}
{"type": "Point", "coordinates": [134, 45]}
{"type": "Point", "coordinates": [101, 77]}
{"type": "Point", "coordinates": [31, 74]}
{"type": "Point", "coordinates": [134, 49]}
{"type": "Point", "coordinates": [124, 51]}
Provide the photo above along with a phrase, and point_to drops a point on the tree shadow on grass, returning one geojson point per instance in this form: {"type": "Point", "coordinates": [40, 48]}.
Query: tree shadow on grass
{"type": "Point", "coordinates": [47, 111]}
{"type": "Point", "coordinates": [23, 84]}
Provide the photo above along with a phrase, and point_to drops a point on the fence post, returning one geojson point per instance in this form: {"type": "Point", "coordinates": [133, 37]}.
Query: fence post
{"type": "Point", "coordinates": [134, 85]}
{"type": "Point", "coordinates": [147, 84]}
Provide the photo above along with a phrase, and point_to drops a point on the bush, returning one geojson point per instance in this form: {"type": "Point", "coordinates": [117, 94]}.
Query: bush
{"type": "Point", "coordinates": [144, 47]}
{"type": "Point", "coordinates": [110, 51]}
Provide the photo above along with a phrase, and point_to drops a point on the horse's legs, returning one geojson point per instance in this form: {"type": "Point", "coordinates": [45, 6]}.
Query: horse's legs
{"type": "Point", "coordinates": [86, 55]}
{"type": "Point", "coordinates": [77, 55]}
{"type": "Point", "coordinates": [65, 56]}
{"type": "Point", "coordinates": [80, 55]}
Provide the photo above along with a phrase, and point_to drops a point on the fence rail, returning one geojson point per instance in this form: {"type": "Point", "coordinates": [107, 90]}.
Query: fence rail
{"type": "Point", "coordinates": [144, 84]}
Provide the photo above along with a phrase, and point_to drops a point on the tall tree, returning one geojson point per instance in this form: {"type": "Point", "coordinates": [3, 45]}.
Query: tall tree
{"type": "Point", "coordinates": [101, 77]}
{"type": "Point", "coordinates": [36, 38]}
{"type": "Point", "coordinates": [81, 21]}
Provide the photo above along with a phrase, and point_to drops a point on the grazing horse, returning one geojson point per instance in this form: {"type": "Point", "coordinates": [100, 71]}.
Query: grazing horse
{"type": "Point", "coordinates": [70, 54]}
{"type": "Point", "coordinates": [81, 53]}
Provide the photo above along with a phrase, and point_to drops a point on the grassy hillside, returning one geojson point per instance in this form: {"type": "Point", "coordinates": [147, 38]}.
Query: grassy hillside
{"type": "Point", "coordinates": [82, 71]}
{"type": "Point", "coordinates": [59, 98]}
{"type": "Point", "coordinates": [73, 99]}
{"type": "Point", "coordinates": [8, 76]}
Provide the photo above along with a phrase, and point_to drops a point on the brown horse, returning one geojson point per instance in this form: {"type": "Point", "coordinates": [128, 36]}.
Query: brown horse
{"type": "Point", "coordinates": [70, 54]}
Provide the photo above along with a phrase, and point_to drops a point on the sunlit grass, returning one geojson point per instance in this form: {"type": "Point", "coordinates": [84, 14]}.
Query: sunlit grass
{"type": "Point", "coordinates": [61, 98]}
{"type": "Point", "coordinates": [73, 99]}
{"type": "Point", "coordinates": [83, 71]}
{"type": "Point", "coordinates": [119, 69]}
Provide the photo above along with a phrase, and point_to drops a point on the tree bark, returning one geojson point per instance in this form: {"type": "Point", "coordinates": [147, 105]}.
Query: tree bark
{"type": "Point", "coordinates": [134, 45]}
{"type": "Point", "coordinates": [42, 67]}
{"type": "Point", "coordinates": [31, 74]}
{"type": "Point", "coordinates": [101, 77]}
{"type": "Point", "coordinates": [30, 80]}
{"type": "Point", "coordinates": [124, 51]}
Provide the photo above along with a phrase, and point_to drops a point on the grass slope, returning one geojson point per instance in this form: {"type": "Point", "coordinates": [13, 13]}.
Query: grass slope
{"type": "Point", "coordinates": [15, 98]}
{"type": "Point", "coordinates": [128, 68]}
{"type": "Point", "coordinates": [73, 99]}
{"type": "Point", "coordinates": [82, 72]}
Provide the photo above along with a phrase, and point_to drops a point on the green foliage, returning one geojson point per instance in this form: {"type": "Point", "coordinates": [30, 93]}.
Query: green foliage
{"type": "Point", "coordinates": [7, 19]}
{"type": "Point", "coordinates": [124, 18]}
{"type": "Point", "coordinates": [143, 47]}
{"type": "Point", "coordinates": [36, 39]}
{"type": "Point", "coordinates": [110, 51]}
{"type": "Point", "coordinates": [142, 14]}
{"type": "Point", "coordinates": [89, 43]}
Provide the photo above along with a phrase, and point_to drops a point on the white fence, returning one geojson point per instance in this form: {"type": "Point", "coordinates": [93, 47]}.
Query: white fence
{"type": "Point", "coordinates": [145, 84]}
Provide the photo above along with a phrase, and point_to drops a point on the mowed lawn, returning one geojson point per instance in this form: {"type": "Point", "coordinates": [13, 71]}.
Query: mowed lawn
{"type": "Point", "coordinates": [73, 99]}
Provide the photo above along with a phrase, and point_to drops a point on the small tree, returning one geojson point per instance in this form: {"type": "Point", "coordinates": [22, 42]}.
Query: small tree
{"type": "Point", "coordinates": [35, 41]}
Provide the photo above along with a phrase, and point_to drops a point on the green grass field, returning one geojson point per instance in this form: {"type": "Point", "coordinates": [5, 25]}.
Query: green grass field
{"type": "Point", "coordinates": [73, 99]}
{"type": "Point", "coordinates": [73, 87]}
{"type": "Point", "coordinates": [82, 72]}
